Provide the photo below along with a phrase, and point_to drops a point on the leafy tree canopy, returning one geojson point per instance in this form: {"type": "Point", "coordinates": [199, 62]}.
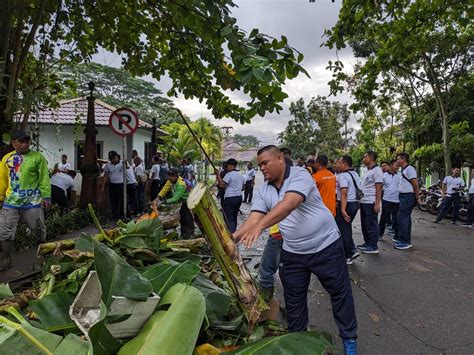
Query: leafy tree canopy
{"type": "Point", "coordinates": [119, 88]}
{"type": "Point", "coordinates": [315, 128]}
{"type": "Point", "coordinates": [246, 141]}
{"type": "Point", "coordinates": [196, 43]}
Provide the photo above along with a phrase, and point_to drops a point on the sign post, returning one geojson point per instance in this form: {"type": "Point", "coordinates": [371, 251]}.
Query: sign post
{"type": "Point", "coordinates": [124, 123]}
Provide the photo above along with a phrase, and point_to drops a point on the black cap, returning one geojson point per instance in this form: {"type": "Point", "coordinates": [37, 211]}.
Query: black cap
{"type": "Point", "coordinates": [232, 161]}
{"type": "Point", "coordinates": [311, 161]}
{"type": "Point", "coordinates": [19, 134]}
{"type": "Point", "coordinates": [112, 154]}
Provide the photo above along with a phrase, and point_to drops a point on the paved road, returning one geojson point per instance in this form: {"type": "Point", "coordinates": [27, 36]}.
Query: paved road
{"type": "Point", "coordinates": [419, 301]}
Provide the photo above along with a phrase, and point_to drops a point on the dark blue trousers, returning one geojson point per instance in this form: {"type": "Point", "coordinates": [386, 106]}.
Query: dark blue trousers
{"type": "Point", "coordinates": [346, 228]}
{"type": "Point", "coordinates": [455, 202]}
{"type": "Point", "coordinates": [231, 208]}
{"type": "Point", "coordinates": [407, 202]}
{"type": "Point", "coordinates": [389, 213]}
{"type": "Point", "coordinates": [369, 224]}
{"type": "Point", "coordinates": [329, 265]}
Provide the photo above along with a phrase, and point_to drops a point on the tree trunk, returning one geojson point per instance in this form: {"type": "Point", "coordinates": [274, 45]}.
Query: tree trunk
{"type": "Point", "coordinates": [211, 222]}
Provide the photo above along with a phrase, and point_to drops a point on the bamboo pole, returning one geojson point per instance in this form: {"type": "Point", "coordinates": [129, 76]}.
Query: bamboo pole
{"type": "Point", "coordinates": [211, 222]}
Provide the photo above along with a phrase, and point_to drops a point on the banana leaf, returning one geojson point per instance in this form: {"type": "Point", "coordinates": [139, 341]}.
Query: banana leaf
{"type": "Point", "coordinates": [149, 231]}
{"type": "Point", "coordinates": [217, 300]}
{"type": "Point", "coordinates": [53, 312]}
{"type": "Point", "coordinates": [293, 343]}
{"type": "Point", "coordinates": [72, 345]}
{"type": "Point", "coordinates": [23, 338]}
{"type": "Point", "coordinates": [164, 275]}
{"type": "Point", "coordinates": [102, 342]}
{"type": "Point", "coordinates": [174, 331]}
{"type": "Point", "coordinates": [5, 291]}
{"type": "Point", "coordinates": [117, 277]}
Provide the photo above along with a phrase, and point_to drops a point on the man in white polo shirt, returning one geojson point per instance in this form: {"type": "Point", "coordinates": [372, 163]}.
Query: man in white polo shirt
{"type": "Point", "coordinates": [114, 175]}
{"type": "Point", "coordinates": [452, 185]}
{"type": "Point", "coordinates": [60, 184]}
{"type": "Point", "coordinates": [372, 184]}
{"type": "Point", "coordinates": [234, 183]}
{"type": "Point", "coordinates": [390, 199]}
{"type": "Point", "coordinates": [311, 242]}
{"type": "Point", "coordinates": [409, 196]}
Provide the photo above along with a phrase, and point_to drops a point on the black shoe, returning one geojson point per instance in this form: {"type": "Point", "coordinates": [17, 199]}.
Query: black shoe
{"type": "Point", "coordinates": [453, 222]}
{"type": "Point", "coordinates": [436, 221]}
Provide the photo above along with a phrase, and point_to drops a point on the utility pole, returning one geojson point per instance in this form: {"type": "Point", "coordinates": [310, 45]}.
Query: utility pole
{"type": "Point", "coordinates": [89, 167]}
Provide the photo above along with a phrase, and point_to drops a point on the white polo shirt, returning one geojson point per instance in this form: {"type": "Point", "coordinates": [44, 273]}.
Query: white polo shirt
{"type": "Point", "coordinates": [115, 172]}
{"type": "Point", "coordinates": [310, 227]}
{"type": "Point", "coordinates": [390, 187]}
{"type": "Point", "coordinates": [63, 181]}
{"type": "Point", "coordinates": [139, 170]}
{"type": "Point", "coordinates": [234, 181]}
{"type": "Point", "coordinates": [155, 169]}
{"type": "Point", "coordinates": [344, 180]}
{"type": "Point", "coordinates": [405, 186]}
{"type": "Point", "coordinates": [372, 177]}
{"type": "Point", "coordinates": [453, 183]}
{"type": "Point", "coordinates": [249, 174]}
{"type": "Point", "coordinates": [131, 179]}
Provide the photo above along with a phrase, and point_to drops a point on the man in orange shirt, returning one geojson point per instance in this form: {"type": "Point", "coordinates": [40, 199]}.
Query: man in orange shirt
{"type": "Point", "coordinates": [326, 183]}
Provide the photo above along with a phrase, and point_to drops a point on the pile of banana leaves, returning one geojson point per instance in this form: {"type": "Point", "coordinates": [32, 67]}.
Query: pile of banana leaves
{"type": "Point", "coordinates": [197, 313]}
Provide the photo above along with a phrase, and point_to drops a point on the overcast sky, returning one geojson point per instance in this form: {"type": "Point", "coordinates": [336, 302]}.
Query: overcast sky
{"type": "Point", "coordinates": [303, 23]}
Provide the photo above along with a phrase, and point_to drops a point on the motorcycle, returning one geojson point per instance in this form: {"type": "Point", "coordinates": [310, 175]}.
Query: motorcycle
{"type": "Point", "coordinates": [435, 201]}
{"type": "Point", "coordinates": [425, 196]}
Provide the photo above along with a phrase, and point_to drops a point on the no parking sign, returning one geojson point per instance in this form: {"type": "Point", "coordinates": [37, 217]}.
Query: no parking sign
{"type": "Point", "coordinates": [123, 122]}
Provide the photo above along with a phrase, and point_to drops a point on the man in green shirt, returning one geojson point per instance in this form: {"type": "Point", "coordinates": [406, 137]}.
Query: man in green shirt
{"type": "Point", "coordinates": [179, 188]}
{"type": "Point", "coordinates": [24, 189]}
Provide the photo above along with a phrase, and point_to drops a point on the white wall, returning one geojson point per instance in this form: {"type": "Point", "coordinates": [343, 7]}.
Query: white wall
{"type": "Point", "coordinates": [55, 140]}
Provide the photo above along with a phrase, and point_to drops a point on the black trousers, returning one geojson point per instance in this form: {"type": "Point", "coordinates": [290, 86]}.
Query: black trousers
{"type": "Point", "coordinates": [471, 209]}
{"type": "Point", "coordinates": [346, 228]}
{"type": "Point", "coordinates": [389, 212]}
{"type": "Point", "coordinates": [132, 198]}
{"type": "Point", "coordinates": [155, 189]}
{"type": "Point", "coordinates": [186, 221]}
{"type": "Point", "coordinates": [116, 200]}
{"type": "Point", "coordinates": [248, 191]}
{"type": "Point", "coordinates": [455, 201]}
{"type": "Point", "coordinates": [369, 224]}
{"type": "Point", "coordinates": [231, 208]}
{"type": "Point", "coordinates": [329, 265]}
{"type": "Point", "coordinates": [58, 196]}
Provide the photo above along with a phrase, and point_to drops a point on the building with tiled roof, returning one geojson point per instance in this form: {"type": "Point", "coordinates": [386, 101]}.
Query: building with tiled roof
{"type": "Point", "coordinates": [60, 130]}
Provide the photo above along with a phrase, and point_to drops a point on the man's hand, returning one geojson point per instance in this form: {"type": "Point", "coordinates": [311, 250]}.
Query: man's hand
{"type": "Point", "coordinates": [346, 217]}
{"type": "Point", "coordinates": [250, 235]}
{"type": "Point", "coordinates": [376, 207]}
{"type": "Point", "coordinates": [46, 204]}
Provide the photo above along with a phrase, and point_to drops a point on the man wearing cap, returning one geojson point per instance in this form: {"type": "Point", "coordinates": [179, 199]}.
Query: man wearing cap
{"type": "Point", "coordinates": [24, 189]}
{"type": "Point", "coordinates": [311, 242]}
{"type": "Point", "coordinates": [114, 175]}
{"type": "Point", "coordinates": [234, 183]}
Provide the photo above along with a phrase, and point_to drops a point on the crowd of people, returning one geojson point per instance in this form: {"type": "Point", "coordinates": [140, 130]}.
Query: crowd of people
{"type": "Point", "coordinates": [309, 209]}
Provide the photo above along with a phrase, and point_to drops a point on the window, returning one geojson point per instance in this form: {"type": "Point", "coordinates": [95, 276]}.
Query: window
{"type": "Point", "coordinates": [79, 149]}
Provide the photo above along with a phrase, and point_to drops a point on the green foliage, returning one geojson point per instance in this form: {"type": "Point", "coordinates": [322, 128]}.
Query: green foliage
{"type": "Point", "coordinates": [197, 44]}
{"type": "Point", "coordinates": [56, 225]}
{"type": "Point", "coordinates": [315, 128]}
{"type": "Point", "coordinates": [119, 88]}
{"type": "Point", "coordinates": [246, 141]}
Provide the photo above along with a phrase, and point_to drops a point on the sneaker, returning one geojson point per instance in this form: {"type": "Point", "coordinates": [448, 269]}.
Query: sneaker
{"type": "Point", "coordinates": [355, 255]}
{"type": "Point", "coordinates": [349, 261]}
{"type": "Point", "coordinates": [468, 225]}
{"type": "Point", "coordinates": [350, 347]}
{"type": "Point", "coordinates": [453, 222]}
{"type": "Point", "coordinates": [369, 250]}
{"type": "Point", "coordinates": [391, 232]}
{"type": "Point", "coordinates": [436, 221]}
{"type": "Point", "coordinates": [402, 245]}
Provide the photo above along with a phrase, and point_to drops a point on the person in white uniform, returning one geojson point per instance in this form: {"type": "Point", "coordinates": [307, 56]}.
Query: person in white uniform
{"type": "Point", "coordinates": [60, 184]}
{"type": "Point", "coordinates": [452, 186]}
{"type": "Point", "coordinates": [390, 199]}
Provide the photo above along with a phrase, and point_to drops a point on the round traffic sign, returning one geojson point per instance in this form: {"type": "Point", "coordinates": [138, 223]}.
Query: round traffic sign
{"type": "Point", "coordinates": [123, 121]}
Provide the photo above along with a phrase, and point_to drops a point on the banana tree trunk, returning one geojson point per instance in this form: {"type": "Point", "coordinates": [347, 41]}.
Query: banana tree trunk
{"type": "Point", "coordinates": [211, 222]}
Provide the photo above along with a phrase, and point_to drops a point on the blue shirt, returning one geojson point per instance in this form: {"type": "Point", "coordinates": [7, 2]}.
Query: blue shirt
{"type": "Point", "coordinates": [310, 227]}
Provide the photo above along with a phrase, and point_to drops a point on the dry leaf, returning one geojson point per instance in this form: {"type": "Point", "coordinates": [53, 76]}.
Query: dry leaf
{"type": "Point", "coordinates": [374, 317]}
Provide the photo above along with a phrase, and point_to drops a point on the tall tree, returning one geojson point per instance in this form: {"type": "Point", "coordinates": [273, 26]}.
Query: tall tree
{"type": "Point", "coordinates": [427, 42]}
{"type": "Point", "coordinates": [119, 88]}
{"type": "Point", "coordinates": [246, 141]}
{"type": "Point", "coordinates": [316, 127]}
{"type": "Point", "coordinates": [198, 44]}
